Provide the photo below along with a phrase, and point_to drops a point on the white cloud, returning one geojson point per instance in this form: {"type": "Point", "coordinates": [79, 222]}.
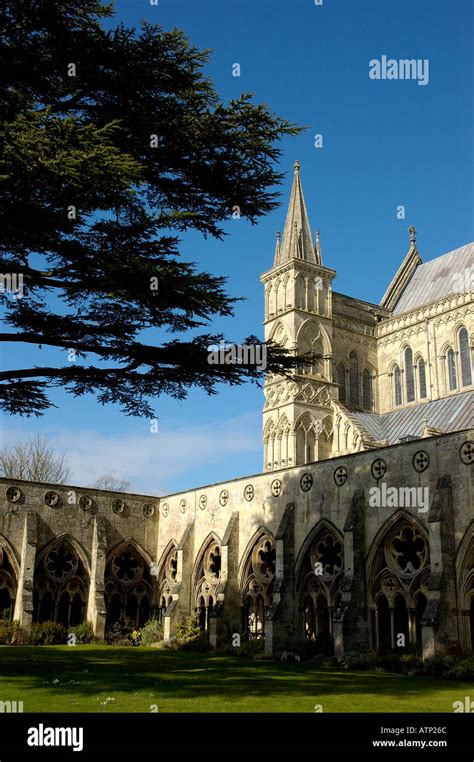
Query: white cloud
{"type": "Point", "coordinates": [151, 462]}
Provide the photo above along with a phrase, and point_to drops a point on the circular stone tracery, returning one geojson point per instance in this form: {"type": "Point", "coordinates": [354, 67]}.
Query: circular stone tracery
{"type": "Point", "coordinates": [127, 567]}
{"type": "Point", "coordinates": [60, 563]}
{"type": "Point", "coordinates": [327, 555]}
{"type": "Point", "coordinates": [263, 559]}
{"type": "Point", "coordinates": [406, 551]}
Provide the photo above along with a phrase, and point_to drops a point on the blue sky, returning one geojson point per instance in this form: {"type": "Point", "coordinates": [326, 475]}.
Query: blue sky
{"type": "Point", "coordinates": [385, 143]}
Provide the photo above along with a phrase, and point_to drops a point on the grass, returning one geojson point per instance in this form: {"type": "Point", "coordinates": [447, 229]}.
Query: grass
{"type": "Point", "coordinates": [85, 678]}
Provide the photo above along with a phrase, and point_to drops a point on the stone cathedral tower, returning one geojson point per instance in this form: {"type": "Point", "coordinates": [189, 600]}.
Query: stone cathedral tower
{"type": "Point", "coordinates": [297, 415]}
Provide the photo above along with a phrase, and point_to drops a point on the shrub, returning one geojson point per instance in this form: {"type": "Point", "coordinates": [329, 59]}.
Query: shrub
{"type": "Point", "coordinates": [250, 648]}
{"type": "Point", "coordinates": [83, 632]}
{"type": "Point", "coordinates": [200, 644]}
{"type": "Point", "coordinates": [463, 670]}
{"type": "Point", "coordinates": [48, 634]}
{"type": "Point", "coordinates": [356, 661]}
{"type": "Point", "coordinates": [6, 631]}
{"type": "Point", "coordinates": [303, 649]}
{"type": "Point", "coordinates": [20, 637]}
{"type": "Point", "coordinates": [152, 632]}
{"type": "Point", "coordinates": [118, 633]}
{"type": "Point", "coordinates": [188, 630]}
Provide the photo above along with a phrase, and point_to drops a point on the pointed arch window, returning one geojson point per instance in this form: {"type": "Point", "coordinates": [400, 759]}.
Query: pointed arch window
{"type": "Point", "coordinates": [409, 375]}
{"type": "Point", "coordinates": [421, 379]}
{"type": "Point", "coordinates": [354, 379]}
{"type": "Point", "coordinates": [451, 363]}
{"type": "Point", "coordinates": [397, 385]}
{"type": "Point", "coordinates": [367, 390]}
{"type": "Point", "coordinates": [466, 372]}
{"type": "Point", "coordinates": [341, 380]}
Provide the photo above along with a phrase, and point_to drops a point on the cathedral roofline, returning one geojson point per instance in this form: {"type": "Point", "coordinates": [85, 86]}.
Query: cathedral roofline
{"type": "Point", "coordinates": [403, 275]}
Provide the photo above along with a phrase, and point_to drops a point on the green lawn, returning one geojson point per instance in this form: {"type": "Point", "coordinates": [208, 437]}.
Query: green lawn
{"type": "Point", "coordinates": [87, 678]}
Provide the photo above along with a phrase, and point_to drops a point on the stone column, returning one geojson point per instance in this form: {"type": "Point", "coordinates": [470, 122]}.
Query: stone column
{"type": "Point", "coordinates": [24, 598]}
{"type": "Point", "coordinates": [96, 609]}
{"type": "Point", "coordinates": [439, 621]}
{"type": "Point", "coordinates": [281, 615]}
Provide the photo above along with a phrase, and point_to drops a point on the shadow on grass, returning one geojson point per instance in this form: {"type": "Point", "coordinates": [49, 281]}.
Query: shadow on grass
{"type": "Point", "coordinates": [95, 669]}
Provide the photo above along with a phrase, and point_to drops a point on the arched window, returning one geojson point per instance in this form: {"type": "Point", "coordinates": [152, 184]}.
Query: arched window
{"type": "Point", "coordinates": [397, 576]}
{"type": "Point", "coordinates": [318, 582]}
{"type": "Point", "coordinates": [60, 585]}
{"type": "Point", "coordinates": [409, 375]}
{"type": "Point", "coordinates": [466, 373]}
{"type": "Point", "coordinates": [354, 379]}
{"type": "Point", "coordinates": [451, 363]}
{"type": "Point", "coordinates": [206, 581]}
{"type": "Point", "coordinates": [367, 390]}
{"type": "Point", "coordinates": [397, 385]}
{"type": "Point", "coordinates": [257, 586]}
{"type": "Point", "coordinates": [421, 379]}
{"type": "Point", "coordinates": [8, 586]}
{"type": "Point", "coordinates": [341, 380]}
{"type": "Point", "coordinates": [128, 587]}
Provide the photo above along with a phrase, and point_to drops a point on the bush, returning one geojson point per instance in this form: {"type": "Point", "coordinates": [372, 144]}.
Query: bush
{"type": "Point", "coordinates": [20, 637]}
{"type": "Point", "coordinates": [83, 632]}
{"type": "Point", "coordinates": [200, 644]}
{"type": "Point", "coordinates": [118, 633]}
{"type": "Point", "coordinates": [152, 632]}
{"type": "Point", "coordinates": [188, 630]}
{"type": "Point", "coordinates": [48, 634]}
{"type": "Point", "coordinates": [250, 648]}
{"type": "Point", "coordinates": [303, 649]}
{"type": "Point", "coordinates": [5, 632]}
{"type": "Point", "coordinates": [463, 670]}
{"type": "Point", "coordinates": [356, 661]}
{"type": "Point", "coordinates": [166, 645]}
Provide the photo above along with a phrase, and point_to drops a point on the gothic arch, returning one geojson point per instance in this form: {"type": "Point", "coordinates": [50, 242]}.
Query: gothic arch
{"type": "Point", "coordinates": [61, 582]}
{"type": "Point", "coordinates": [397, 571]}
{"type": "Point", "coordinates": [9, 572]}
{"type": "Point", "coordinates": [325, 439]}
{"type": "Point", "coordinates": [321, 524]}
{"type": "Point", "coordinates": [341, 380]}
{"type": "Point", "coordinates": [313, 337]}
{"type": "Point", "coordinates": [256, 580]}
{"type": "Point", "coordinates": [167, 577]}
{"type": "Point", "coordinates": [463, 343]}
{"type": "Point", "coordinates": [355, 364]}
{"type": "Point", "coordinates": [307, 430]}
{"type": "Point", "coordinates": [269, 449]}
{"type": "Point", "coordinates": [465, 586]}
{"type": "Point", "coordinates": [409, 372]}
{"type": "Point", "coordinates": [128, 584]}
{"type": "Point", "coordinates": [283, 433]}
{"type": "Point", "coordinates": [395, 375]}
{"type": "Point", "coordinates": [7, 547]}
{"type": "Point", "coordinates": [206, 578]}
{"type": "Point", "coordinates": [319, 570]}
{"type": "Point", "coordinates": [66, 537]}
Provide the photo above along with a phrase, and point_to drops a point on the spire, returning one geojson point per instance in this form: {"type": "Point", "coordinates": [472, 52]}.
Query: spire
{"type": "Point", "coordinates": [317, 249]}
{"type": "Point", "coordinates": [297, 240]}
{"type": "Point", "coordinates": [404, 274]}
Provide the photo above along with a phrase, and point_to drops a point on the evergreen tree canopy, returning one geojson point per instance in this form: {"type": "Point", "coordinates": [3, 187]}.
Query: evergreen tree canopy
{"type": "Point", "coordinates": [112, 144]}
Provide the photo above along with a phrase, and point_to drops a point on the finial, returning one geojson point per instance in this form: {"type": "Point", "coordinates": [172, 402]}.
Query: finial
{"type": "Point", "coordinates": [297, 166]}
{"type": "Point", "coordinates": [412, 232]}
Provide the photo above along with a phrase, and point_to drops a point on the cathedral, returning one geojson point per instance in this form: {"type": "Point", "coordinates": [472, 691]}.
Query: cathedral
{"type": "Point", "coordinates": [359, 532]}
